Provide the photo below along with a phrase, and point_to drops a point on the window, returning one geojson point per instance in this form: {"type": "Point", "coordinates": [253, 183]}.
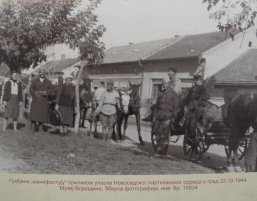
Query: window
{"type": "Point", "coordinates": [156, 87]}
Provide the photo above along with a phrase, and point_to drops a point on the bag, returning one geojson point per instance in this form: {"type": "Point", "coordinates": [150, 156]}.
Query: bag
{"type": "Point", "coordinates": [55, 118]}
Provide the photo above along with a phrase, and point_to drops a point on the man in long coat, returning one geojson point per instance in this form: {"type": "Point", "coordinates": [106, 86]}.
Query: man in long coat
{"type": "Point", "coordinates": [166, 113]}
{"type": "Point", "coordinates": [175, 84]}
{"type": "Point", "coordinates": [40, 88]}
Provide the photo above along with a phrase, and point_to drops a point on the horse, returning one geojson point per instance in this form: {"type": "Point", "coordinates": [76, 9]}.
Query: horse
{"type": "Point", "coordinates": [129, 107]}
{"type": "Point", "coordinates": [240, 114]}
{"type": "Point", "coordinates": [86, 99]}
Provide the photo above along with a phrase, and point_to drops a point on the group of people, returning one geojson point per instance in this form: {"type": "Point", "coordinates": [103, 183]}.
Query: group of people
{"type": "Point", "coordinates": [167, 104]}
{"type": "Point", "coordinates": [107, 99]}
{"type": "Point", "coordinates": [39, 88]}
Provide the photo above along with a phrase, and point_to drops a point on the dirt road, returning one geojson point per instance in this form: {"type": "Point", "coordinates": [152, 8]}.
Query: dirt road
{"type": "Point", "coordinates": [43, 152]}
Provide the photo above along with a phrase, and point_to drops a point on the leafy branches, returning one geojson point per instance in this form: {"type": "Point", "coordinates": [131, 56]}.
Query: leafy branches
{"type": "Point", "coordinates": [28, 27]}
{"type": "Point", "coordinates": [233, 15]}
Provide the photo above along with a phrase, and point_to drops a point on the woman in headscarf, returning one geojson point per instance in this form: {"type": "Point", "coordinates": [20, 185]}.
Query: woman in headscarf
{"type": "Point", "coordinates": [65, 104]}
{"type": "Point", "coordinates": [12, 100]}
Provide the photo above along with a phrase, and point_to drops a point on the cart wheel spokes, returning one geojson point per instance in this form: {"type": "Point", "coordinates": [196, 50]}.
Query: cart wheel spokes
{"type": "Point", "coordinates": [192, 149]}
{"type": "Point", "coordinates": [241, 149]}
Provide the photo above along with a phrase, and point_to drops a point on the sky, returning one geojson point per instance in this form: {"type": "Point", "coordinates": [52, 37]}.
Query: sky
{"type": "Point", "coordinates": [135, 21]}
{"type": "Point", "coordinates": [146, 20]}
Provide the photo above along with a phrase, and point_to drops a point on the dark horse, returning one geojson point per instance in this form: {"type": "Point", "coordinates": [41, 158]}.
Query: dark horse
{"type": "Point", "coordinates": [86, 99]}
{"type": "Point", "coordinates": [239, 114]}
{"type": "Point", "coordinates": [133, 109]}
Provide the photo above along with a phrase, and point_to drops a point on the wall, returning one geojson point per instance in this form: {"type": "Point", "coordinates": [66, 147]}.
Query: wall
{"type": "Point", "coordinates": [224, 53]}
{"type": "Point", "coordinates": [144, 72]}
{"type": "Point", "coordinates": [231, 91]}
{"type": "Point", "coordinates": [158, 70]}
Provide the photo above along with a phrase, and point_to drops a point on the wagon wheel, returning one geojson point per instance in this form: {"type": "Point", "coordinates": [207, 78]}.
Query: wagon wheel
{"type": "Point", "coordinates": [158, 139]}
{"type": "Point", "coordinates": [193, 150]}
{"type": "Point", "coordinates": [194, 147]}
{"type": "Point", "coordinates": [241, 149]}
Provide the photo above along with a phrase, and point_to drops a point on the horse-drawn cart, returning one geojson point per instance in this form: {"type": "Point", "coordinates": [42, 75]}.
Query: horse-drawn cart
{"type": "Point", "coordinates": [197, 141]}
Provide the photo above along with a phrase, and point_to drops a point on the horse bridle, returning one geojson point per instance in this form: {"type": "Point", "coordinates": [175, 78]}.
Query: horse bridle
{"type": "Point", "coordinates": [121, 104]}
{"type": "Point", "coordinates": [133, 100]}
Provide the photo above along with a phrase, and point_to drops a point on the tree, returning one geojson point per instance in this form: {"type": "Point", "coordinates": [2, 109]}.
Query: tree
{"type": "Point", "coordinates": [28, 27]}
{"type": "Point", "coordinates": [4, 70]}
{"type": "Point", "coordinates": [232, 15]}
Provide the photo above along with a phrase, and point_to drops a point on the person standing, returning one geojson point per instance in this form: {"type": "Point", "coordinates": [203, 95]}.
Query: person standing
{"type": "Point", "coordinates": [175, 82]}
{"type": "Point", "coordinates": [40, 88]}
{"type": "Point", "coordinates": [166, 113]}
{"type": "Point", "coordinates": [12, 100]}
{"type": "Point", "coordinates": [107, 109]}
{"type": "Point", "coordinates": [65, 103]}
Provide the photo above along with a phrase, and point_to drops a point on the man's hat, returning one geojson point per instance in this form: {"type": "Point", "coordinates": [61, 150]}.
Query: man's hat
{"type": "Point", "coordinates": [172, 69]}
{"type": "Point", "coordinates": [202, 60]}
{"type": "Point", "coordinates": [197, 77]}
{"type": "Point", "coordinates": [69, 78]}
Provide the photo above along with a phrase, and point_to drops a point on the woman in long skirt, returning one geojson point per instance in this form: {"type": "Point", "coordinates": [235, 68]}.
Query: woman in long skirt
{"type": "Point", "coordinates": [12, 100]}
{"type": "Point", "coordinates": [65, 103]}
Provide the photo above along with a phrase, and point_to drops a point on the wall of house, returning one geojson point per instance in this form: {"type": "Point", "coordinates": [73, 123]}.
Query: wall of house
{"type": "Point", "coordinates": [231, 91]}
{"type": "Point", "coordinates": [144, 73]}
{"type": "Point", "coordinates": [157, 70]}
{"type": "Point", "coordinates": [221, 55]}
{"type": "Point", "coordinates": [121, 74]}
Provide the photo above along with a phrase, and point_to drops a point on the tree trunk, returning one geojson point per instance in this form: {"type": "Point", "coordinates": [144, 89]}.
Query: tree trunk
{"type": "Point", "coordinates": [77, 119]}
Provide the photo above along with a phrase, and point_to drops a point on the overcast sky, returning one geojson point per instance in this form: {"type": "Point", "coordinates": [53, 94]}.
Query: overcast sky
{"type": "Point", "coordinates": [145, 20]}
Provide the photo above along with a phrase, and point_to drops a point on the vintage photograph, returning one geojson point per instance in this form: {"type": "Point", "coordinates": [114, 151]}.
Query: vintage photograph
{"type": "Point", "coordinates": [128, 87]}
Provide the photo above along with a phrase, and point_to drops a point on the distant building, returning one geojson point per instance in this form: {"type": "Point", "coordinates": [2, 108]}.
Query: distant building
{"type": "Point", "coordinates": [147, 62]}
{"type": "Point", "coordinates": [239, 76]}
{"type": "Point", "coordinates": [54, 69]}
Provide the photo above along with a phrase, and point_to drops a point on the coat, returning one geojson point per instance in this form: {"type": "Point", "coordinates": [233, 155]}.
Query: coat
{"type": "Point", "coordinates": [167, 105]}
{"type": "Point", "coordinates": [66, 101]}
{"type": "Point", "coordinates": [197, 97]}
{"type": "Point", "coordinates": [39, 105]}
{"type": "Point", "coordinates": [7, 91]}
{"type": "Point", "coordinates": [66, 96]}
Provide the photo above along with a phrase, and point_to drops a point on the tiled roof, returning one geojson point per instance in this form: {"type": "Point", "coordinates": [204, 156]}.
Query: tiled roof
{"type": "Point", "coordinates": [178, 47]}
{"type": "Point", "coordinates": [191, 46]}
{"type": "Point", "coordinates": [242, 70]}
{"type": "Point", "coordinates": [135, 52]}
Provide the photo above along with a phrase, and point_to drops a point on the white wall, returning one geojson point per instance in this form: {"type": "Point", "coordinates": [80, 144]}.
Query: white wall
{"type": "Point", "coordinates": [224, 53]}
{"type": "Point", "coordinates": [55, 52]}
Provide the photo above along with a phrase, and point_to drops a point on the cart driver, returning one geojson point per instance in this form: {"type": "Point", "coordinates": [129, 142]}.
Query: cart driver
{"type": "Point", "coordinates": [196, 101]}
